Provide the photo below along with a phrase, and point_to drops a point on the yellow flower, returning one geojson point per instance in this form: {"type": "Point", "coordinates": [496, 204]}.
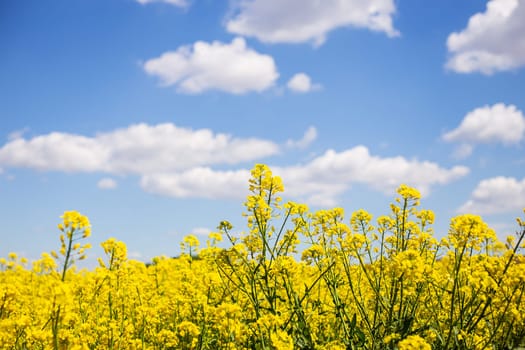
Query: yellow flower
{"type": "Point", "coordinates": [281, 340]}
{"type": "Point", "coordinates": [356, 285]}
{"type": "Point", "coordinates": [408, 193]}
{"type": "Point", "coordinates": [413, 342]}
{"type": "Point", "coordinates": [191, 240]}
{"type": "Point", "coordinates": [215, 236]}
{"type": "Point", "coordinates": [390, 338]}
{"type": "Point", "coordinates": [469, 231]}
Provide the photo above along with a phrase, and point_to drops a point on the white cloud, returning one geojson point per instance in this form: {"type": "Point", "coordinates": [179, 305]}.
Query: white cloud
{"type": "Point", "coordinates": [55, 151]}
{"type": "Point", "coordinates": [107, 184]}
{"type": "Point", "coordinates": [309, 136]}
{"type": "Point", "coordinates": [496, 195]}
{"type": "Point", "coordinates": [201, 231]}
{"type": "Point", "coordinates": [233, 68]}
{"type": "Point", "coordinates": [179, 3]}
{"type": "Point", "coordinates": [492, 41]}
{"type": "Point", "coordinates": [198, 182]}
{"type": "Point", "coordinates": [177, 162]}
{"type": "Point", "coordinates": [318, 182]}
{"type": "Point", "coordinates": [296, 21]}
{"type": "Point", "coordinates": [302, 83]}
{"type": "Point", "coordinates": [489, 124]}
{"type": "Point", "coordinates": [137, 149]}
{"type": "Point", "coordinates": [327, 176]}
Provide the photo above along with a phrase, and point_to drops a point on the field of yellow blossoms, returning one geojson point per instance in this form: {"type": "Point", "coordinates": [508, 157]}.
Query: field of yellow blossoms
{"type": "Point", "coordinates": [294, 279]}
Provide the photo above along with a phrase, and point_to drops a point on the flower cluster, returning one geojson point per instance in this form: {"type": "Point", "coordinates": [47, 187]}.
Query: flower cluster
{"type": "Point", "coordinates": [295, 279]}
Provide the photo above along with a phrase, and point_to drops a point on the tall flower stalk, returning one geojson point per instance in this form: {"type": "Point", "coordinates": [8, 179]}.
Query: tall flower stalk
{"type": "Point", "coordinates": [74, 227]}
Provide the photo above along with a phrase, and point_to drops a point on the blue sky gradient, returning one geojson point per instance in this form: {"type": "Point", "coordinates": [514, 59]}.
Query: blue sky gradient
{"type": "Point", "coordinates": [147, 115]}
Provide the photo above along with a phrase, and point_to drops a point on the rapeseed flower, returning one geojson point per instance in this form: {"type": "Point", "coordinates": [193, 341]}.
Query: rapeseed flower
{"type": "Point", "coordinates": [360, 284]}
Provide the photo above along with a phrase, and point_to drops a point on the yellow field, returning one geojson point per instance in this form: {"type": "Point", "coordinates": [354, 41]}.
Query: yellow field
{"type": "Point", "coordinates": [360, 283]}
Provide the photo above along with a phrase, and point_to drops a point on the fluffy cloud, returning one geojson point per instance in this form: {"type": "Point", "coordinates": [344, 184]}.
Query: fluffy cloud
{"type": "Point", "coordinates": [203, 66]}
{"type": "Point", "coordinates": [301, 83]}
{"type": "Point", "coordinates": [324, 178]}
{"type": "Point", "coordinates": [309, 136]}
{"type": "Point", "coordinates": [55, 151]}
{"type": "Point", "coordinates": [179, 3]}
{"type": "Point", "coordinates": [177, 162]}
{"type": "Point", "coordinates": [318, 182]}
{"type": "Point", "coordinates": [199, 182]}
{"type": "Point", "coordinates": [107, 184]}
{"type": "Point", "coordinates": [489, 124]}
{"type": "Point", "coordinates": [137, 149]}
{"type": "Point", "coordinates": [496, 195]}
{"type": "Point", "coordinates": [295, 21]}
{"type": "Point", "coordinates": [493, 40]}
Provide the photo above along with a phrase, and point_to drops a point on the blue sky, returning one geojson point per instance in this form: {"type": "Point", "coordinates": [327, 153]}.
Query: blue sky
{"type": "Point", "coordinates": [147, 115]}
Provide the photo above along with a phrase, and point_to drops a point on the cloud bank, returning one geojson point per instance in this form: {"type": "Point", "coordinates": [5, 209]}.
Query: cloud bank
{"type": "Point", "coordinates": [182, 163]}
{"type": "Point", "coordinates": [319, 182]}
{"type": "Point", "coordinates": [137, 149]}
